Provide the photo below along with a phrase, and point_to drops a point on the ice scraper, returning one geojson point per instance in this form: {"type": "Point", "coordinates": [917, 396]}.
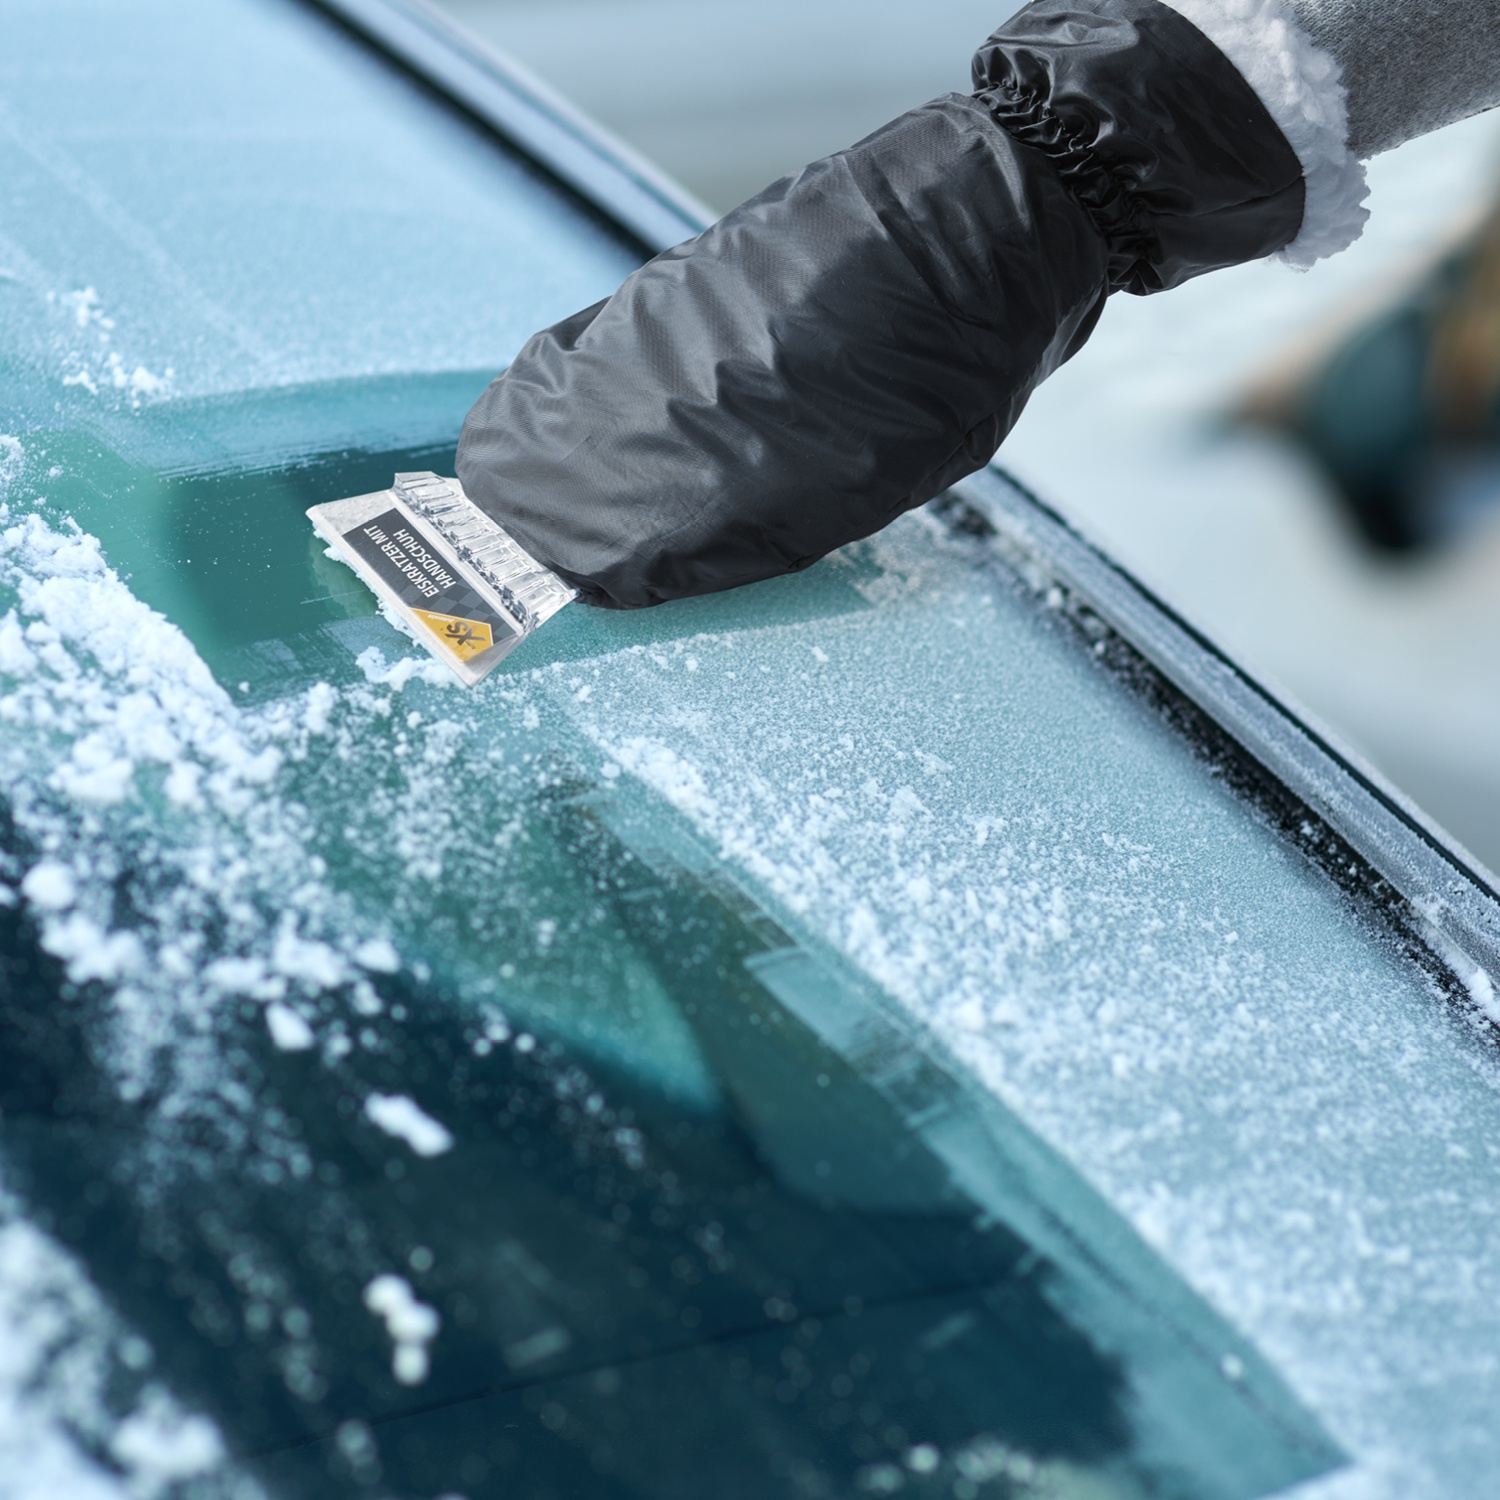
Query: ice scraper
{"type": "Point", "coordinates": [452, 575]}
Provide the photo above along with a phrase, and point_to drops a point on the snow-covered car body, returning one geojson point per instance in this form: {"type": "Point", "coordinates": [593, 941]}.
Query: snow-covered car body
{"type": "Point", "coordinates": [927, 1025]}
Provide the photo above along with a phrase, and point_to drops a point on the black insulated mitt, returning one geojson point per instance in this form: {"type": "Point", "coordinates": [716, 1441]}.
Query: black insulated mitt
{"type": "Point", "coordinates": [847, 344]}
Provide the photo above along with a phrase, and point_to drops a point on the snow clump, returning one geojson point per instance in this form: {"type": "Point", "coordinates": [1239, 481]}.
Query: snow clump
{"type": "Point", "coordinates": [412, 1326]}
{"type": "Point", "coordinates": [404, 1118]}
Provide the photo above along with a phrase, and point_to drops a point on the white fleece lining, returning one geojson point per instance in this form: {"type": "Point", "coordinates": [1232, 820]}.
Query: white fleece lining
{"type": "Point", "coordinates": [1303, 91]}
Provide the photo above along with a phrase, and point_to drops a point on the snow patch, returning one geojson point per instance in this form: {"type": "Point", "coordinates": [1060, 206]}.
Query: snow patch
{"type": "Point", "coordinates": [104, 368]}
{"type": "Point", "coordinates": [661, 767]}
{"type": "Point", "coordinates": [86, 308]}
{"type": "Point", "coordinates": [315, 963]}
{"type": "Point", "coordinates": [321, 697]}
{"type": "Point", "coordinates": [395, 675]}
{"type": "Point", "coordinates": [161, 1446]}
{"type": "Point", "coordinates": [247, 976]}
{"type": "Point", "coordinates": [12, 457]}
{"type": "Point", "coordinates": [80, 1415]}
{"type": "Point", "coordinates": [404, 1118]}
{"type": "Point", "coordinates": [90, 952]}
{"type": "Point", "coordinates": [288, 1030]}
{"type": "Point", "coordinates": [50, 886]}
{"type": "Point", "coordinates": [412, 1325]}
{"type": "Point", "coordinates": [1474, 978]}
{"type": "Point", "coordinates": [378, 955]}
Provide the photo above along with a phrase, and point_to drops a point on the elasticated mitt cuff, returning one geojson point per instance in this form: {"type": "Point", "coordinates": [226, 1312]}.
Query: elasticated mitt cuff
{"type": "Point", "coordinates": [1153, 129]}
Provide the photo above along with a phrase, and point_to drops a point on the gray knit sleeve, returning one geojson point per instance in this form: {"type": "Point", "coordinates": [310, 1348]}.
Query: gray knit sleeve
{"type": "Point", "coordinates": [1409, 66]}
{"type": "Point", "coordinates": [1345, 79]}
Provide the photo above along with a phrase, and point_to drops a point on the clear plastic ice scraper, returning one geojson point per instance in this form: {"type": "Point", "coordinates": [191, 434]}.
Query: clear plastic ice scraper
{"type": "Point", "coordinates": [464, 587]}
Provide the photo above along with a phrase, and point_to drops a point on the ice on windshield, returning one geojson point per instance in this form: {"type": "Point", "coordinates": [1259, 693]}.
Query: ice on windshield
{"type": "Point", "coordinates": [389, 1071]}
{"type": "Point", "coordinates": [223, 198]}
{"type": "Point", "coordinates": [82, 1413]}
{"type": "Point", "coordinates": [920, 770]}
{"type": "Point", "coordinates": [375, 1043]}
{"type": "Point", "coordinates": [948, 791]}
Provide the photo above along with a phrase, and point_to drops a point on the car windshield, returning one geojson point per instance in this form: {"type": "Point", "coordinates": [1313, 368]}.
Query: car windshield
{"type": "Point", "coordinates": [856, 1035]}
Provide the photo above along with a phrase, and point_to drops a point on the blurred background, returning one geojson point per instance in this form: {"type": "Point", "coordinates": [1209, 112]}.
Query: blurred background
{"type": "Point", "coordinates": [1372, 603]}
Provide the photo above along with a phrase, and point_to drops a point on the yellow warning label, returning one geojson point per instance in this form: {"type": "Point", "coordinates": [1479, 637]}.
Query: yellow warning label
{"type": "Point", "coordinates": [464, 638]}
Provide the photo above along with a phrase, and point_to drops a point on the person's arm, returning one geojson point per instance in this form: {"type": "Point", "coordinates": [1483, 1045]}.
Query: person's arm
{"type": "Point", "coordinates": [1409, 66]}
{"type": "Point", "coordinates": [862, 334]}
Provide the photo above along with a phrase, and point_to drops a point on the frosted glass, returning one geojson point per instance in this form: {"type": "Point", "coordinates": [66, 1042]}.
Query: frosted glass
{"type": "Point", "coordinates": [291, 923]}
{"type": "Point", "coordinates": [212, 198]}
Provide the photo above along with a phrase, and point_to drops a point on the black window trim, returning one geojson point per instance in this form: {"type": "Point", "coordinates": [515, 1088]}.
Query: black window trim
{"type": "Point", "coordinates": [1455, 898]}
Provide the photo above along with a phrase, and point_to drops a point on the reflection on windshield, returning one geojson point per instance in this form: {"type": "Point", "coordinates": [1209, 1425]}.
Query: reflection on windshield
{"type": "Point", "coordinates": [595, 1182]}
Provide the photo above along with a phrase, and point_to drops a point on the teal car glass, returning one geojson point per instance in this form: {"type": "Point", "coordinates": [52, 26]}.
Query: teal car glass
{"type": "Point", "coordinates": [848, 1037]}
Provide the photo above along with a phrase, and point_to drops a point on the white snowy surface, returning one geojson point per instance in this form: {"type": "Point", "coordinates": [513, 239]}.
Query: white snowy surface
{"type": "Point", "coordinates": [288, 1030]}
{"type": "Point", "coordinates": [49, 885]}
